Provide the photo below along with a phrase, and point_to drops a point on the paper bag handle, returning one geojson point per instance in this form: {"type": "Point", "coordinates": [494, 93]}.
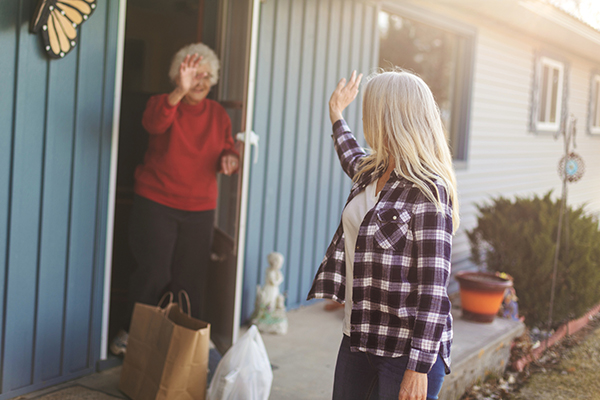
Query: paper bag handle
{"type": "Point", "coordinates": [162, 299]}
{"type": "Point", "coordinates": [183, 295]}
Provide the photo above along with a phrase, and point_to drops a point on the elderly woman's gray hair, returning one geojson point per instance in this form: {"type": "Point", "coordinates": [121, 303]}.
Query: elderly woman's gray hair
{"type": "Point", "coordinates": [208, 57]}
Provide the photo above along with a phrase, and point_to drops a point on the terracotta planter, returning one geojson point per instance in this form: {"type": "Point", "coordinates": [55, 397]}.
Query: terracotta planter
{"type": "Point", "coordinates": [481, 295]}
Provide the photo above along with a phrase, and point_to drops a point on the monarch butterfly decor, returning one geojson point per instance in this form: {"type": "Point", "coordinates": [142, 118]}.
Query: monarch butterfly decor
{"type": "Point", "coordinates": [58, 20]}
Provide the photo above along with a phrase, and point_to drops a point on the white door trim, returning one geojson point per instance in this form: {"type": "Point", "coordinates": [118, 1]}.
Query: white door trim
{"type": "Point", "coordinates": [112, 185]}
{"type": "Point", "coordinates": [241, 240]}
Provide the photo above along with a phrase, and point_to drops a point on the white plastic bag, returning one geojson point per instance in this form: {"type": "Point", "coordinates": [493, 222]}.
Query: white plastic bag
{"type": "Point", "coordinates": [244, 373]}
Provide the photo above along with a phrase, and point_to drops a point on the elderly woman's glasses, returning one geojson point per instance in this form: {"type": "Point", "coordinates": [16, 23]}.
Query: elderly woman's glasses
{"type": "Point", "coordinates": [203, 76]}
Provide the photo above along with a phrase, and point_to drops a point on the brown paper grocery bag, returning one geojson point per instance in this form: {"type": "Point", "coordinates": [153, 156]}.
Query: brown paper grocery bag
{"type": "Point", "coordinates": [167, 354]}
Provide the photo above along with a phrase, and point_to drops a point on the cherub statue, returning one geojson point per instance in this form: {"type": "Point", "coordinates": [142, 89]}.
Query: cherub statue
{"type": "Point", "coordinates": [269, 313]}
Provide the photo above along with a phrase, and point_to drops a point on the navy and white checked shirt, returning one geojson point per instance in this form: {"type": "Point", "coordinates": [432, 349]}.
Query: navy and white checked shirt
{"type": "Point", "coordinates": [401, 268]}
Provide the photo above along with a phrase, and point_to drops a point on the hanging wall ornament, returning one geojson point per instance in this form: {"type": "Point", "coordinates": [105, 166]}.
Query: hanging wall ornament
{"type": "Point", "coordinates": [57, 21]}
{"type": "Point", "coordinates": [571, 167]}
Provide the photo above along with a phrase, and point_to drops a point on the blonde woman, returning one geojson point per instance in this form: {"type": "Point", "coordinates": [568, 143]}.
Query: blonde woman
{"type": "Point", "coordinates": [389, 260]}
{"type": "Point", "coordinates": [172, 220]}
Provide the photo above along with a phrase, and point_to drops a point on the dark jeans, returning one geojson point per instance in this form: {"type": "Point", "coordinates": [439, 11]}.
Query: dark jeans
{"type": "Point", "coordinates": [363, 376]}
{"type": "Point", "coordinates": [172, 251]}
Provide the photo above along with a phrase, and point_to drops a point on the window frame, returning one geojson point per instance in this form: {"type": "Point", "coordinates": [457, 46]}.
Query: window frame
{"type": "Point", "coordinates": [594, 104]}
{"type": "Point", "coordinates": [553, 62]}
{"type": "Point", "coordinates": [464, 77]}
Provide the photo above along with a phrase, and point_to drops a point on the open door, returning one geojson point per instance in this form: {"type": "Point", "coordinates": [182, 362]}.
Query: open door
{"type": "Point", "coordinates": [237, 49]}
{"type": "Point", "coordinates": [155, 31]}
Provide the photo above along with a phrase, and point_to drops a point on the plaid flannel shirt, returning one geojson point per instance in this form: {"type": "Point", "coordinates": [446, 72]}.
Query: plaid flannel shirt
{"type": "Point", "coordinates": [401, 268]}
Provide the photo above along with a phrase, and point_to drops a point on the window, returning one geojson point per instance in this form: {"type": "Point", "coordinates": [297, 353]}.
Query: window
{"type": "Point", "coordinates": [550, 95]}
{"type": "Point", "coordinates": [442, 57]}
{"type": "Point", "coordinates": [594, 116]}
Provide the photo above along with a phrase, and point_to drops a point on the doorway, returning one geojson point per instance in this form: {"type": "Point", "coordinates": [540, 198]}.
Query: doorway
{"type": "Point", "coordinates": [155, 30]}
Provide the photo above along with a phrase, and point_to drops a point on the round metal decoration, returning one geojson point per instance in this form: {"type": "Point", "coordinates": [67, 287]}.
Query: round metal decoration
{"type": "Point", "coordinates": [572, 167]}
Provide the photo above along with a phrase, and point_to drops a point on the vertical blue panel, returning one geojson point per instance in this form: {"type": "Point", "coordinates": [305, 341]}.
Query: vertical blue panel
{"type": "Point", "coordinates": [289, 149]}
{"type": "Point", "coordinates": [9, 15]}
{"type": "Point", "coordinates": [354, 113]}
{"type": "Point", "coordinates": [55, 217]}
{"type": "Point", "coordinates": [343, 70]}
{"type": "Point", "coordinates": [297, 189]}
{"type": "Point", "coordinates": [368, 46]}
{"type": "Point", "coordinates": [257, 173]}
{"type": "Point", "coordinates": [311, 253]}
{"type": "Point", "coordinates": [87, 141]}
{"type": "Point", "coordinates": [297, 262]}
{"type": "Point", "coordinates": [328, 160]}
{"type": "Point", "coordinates": [274, 134]}
{"type": "Point", "coordinates": [25, 208]}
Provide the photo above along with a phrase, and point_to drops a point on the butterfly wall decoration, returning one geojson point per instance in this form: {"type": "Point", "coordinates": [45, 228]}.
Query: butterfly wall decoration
{"type": "Point", "coordinates": [57, 20]}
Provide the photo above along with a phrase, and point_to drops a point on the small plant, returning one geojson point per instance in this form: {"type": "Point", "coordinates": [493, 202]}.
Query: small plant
{"type": "Point", "coordinates": [519, 238]}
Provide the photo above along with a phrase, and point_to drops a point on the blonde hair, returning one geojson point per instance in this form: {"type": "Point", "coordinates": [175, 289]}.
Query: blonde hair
{"type": "Point", "coordinates": [401, 122]}
{"type": "Point", "coordinates": [208, 57]}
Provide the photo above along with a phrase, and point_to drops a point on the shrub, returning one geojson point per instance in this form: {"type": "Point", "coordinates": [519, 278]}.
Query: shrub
{"type": "Point", "coordinates": [519, 237]}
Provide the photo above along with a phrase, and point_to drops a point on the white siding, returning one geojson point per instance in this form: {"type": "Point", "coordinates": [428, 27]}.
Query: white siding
{"type": "Point", "coordinates": [587, 190]}
{"type": "Point", "coordinates": [504, 157]}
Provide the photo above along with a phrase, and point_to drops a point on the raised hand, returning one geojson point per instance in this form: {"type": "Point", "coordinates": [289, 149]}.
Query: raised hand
{"type": "Point", "coordinates": [186, 79]}
{"type": "Point", "coordinates": [187, 72]}
{"type": "Point", "coordinates": [343, 95]}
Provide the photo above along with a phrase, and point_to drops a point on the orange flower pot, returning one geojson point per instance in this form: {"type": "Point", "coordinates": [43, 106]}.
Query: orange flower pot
{"type": "Point", "coordinates": [481, 295]}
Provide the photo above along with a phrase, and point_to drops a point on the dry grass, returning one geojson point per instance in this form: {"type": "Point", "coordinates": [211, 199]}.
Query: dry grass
{"type": "Point", "coordinates": [574, 375]}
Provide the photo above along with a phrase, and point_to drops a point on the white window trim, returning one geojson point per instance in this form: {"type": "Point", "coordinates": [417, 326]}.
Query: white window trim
{"type": "Point", "coordinates": [550, 126]}
{"type": "Point", "coordinates": [595, 106]}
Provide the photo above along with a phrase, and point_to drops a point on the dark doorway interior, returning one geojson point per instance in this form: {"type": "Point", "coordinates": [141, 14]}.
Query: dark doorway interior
{"type": "Point", "coordinates": [155, 30]}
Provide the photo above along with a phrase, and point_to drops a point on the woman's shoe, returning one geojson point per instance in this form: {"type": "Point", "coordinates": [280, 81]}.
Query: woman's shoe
{"type": "Point", "coordinates": [119, 344]}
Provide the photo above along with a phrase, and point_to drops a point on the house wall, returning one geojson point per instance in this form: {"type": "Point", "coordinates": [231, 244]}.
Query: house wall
{"type": "Point", "coordinates": [297, 188]}
{"type": "Point", "coordinates": [296, 191]}
{"type": "Point", "coordinates": [504, 157]}
{"type": "Point", "coordinates": [55, 133]}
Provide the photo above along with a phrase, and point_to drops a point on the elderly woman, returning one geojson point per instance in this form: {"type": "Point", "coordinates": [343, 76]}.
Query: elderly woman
{"type": "Point", "coordinates": [171, 227]}
{"type": "Point", "coordinates": [389, 261]}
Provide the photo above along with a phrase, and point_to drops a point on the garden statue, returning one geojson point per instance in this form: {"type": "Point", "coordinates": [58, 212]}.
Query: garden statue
{"type": "Point", "coordinates": [510, 307]}
{"type": "Point", "coordinates": [269, 312]}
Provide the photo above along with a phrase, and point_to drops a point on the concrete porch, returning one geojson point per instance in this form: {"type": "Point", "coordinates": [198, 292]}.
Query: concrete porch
{"type": "Point", "coordinates": [304, 359]}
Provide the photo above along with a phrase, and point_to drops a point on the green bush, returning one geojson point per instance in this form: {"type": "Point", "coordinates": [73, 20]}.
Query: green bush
{"type": "Point", "coordinates": [518, 237]}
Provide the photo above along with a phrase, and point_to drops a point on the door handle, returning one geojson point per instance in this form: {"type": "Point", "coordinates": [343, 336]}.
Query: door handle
{"type": "Point", "coordinates": [253, 141]}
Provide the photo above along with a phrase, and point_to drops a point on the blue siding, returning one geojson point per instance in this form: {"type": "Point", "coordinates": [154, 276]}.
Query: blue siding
{"type": "Point", "coordinates": [289, 149]}
{"type": "Point", "coordinates": [88, 119]}
{"type": "Point", "coordinates": [302, 136]}
{"type": "Point", "coordinates": [9, 17]}
{"type": "Point", "coordinates": [55, 132]}
{"type": "Point", "coordinates": [297, 189]}
{"type": "Point", "coordinates": [29, 123]}
{"type": "Point", "coordinates": [55, 215]}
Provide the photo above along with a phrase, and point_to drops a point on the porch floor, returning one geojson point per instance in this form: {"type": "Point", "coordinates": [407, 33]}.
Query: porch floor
{"type": "Point", "coordinates": [304, 359]}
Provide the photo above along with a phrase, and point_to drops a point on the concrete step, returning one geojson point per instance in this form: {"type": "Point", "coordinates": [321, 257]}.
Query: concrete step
{"type": "Point", "coordinates": [478, 349]}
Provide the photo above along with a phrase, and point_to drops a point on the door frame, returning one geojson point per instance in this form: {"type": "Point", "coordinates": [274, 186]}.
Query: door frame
{"type": "Point", "coordinates": [244, 192]}
{"type": "Point", "coordinates": [112, 185]}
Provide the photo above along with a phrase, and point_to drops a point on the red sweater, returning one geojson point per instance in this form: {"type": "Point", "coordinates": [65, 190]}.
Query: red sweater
{"type": "Point", "coordinates": [184, 152]}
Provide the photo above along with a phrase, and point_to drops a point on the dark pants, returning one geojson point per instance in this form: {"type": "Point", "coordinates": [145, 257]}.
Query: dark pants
{"type": "Point", "coordinates": [172, 251]}
{"type": "Point", "coordinates": [363, 376]}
